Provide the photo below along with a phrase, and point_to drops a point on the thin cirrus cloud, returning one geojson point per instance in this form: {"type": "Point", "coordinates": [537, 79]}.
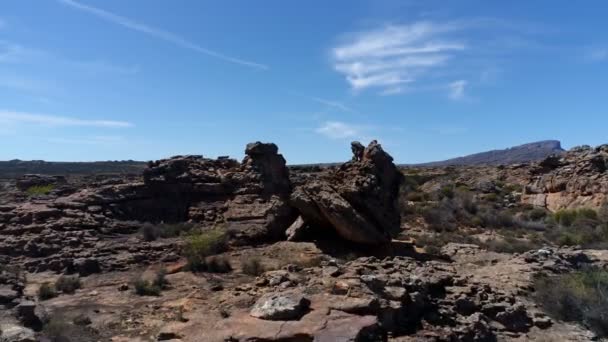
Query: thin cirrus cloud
{"type": "Point", "coordinates": [338, 130]}
{"type": "Point", "coordinates": [457, 89]}
{"type": "Point", "coordinates": [394, 57]}
{"type": "Point", "coordinates": [159, 33]}
{"type": "Point", "coordinates": [12, 117]}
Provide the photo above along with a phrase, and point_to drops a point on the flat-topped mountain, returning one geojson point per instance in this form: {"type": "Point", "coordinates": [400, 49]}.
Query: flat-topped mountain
{"type": "Point", "coordinates": [519, 154]}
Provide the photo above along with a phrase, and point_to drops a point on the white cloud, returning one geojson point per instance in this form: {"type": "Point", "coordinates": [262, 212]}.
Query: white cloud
{"type": "Point", "coordinates": [338, 130]}
{"type": "Point", "coordinates": [395, 55]}
{"type": "Point", "coordinates": [457, 89]}
{"type": "Point", "coordinates": [12, 117]}
{"type": "Point", "coordinates": [158, 33]}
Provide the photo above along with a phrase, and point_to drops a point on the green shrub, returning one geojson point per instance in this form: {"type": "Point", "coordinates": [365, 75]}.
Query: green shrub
{"type": "Point", "coordinates": [446, 191]}
{"type": "Point", "coordinates": [252, 266]}
{"type": "Point", "coordinates": [510, 245]}
{"type": "Point", "coordinates": [38, 190]}
{"type": "Point", "coordinates": [46, 291]}
{"type": "Point", "coordinates": [145, 288]}
{"type": "Point", "coordinates": [576, 297]}
{"type": "Point", "coordinates": [537, 214]}
{"type": "Point", "coordinates": [160, 281]}
{"type": "Point", "coordinates": [200, 245]}
{"type": "Point", "coordinates": [567, 217]}
{"type": "Point", "coordinates": [68, 284]}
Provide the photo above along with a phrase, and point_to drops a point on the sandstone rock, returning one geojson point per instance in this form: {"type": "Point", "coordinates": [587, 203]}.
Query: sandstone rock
{"type": "Point", "coordinates": [358, 201]}
{"type": "Point", "coordinates": [15, 333]}
{"type": "Point", "coordinates": [32, 315]}
{"type": "Point", "coordinates": [280, 306]}
{"type": "Point", "coordinates": [86, 266]}
{"type": "Point", "coordinates": [7, 294]}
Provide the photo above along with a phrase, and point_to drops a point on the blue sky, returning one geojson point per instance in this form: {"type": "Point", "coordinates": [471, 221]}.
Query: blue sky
{"type": "Point", "coordinates": [115, 79]}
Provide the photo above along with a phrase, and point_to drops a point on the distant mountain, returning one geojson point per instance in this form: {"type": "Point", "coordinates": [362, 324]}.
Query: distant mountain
{"type": "Point", "coordinates": [16, 168]}
{"type": "Point", "coordinates": [519, 154]}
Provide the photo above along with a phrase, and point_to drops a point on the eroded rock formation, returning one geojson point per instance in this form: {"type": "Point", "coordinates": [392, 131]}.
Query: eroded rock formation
{"type": "Point", "coordinates": [358, 200]}
{"type": "Point", "coordinates": [578, 178]}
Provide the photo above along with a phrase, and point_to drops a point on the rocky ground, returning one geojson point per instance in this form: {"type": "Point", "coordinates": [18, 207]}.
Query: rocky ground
{"type": "Point", "coordinates": [319, 254]}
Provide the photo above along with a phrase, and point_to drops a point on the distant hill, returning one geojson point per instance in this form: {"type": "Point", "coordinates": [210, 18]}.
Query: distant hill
{"type": "Point", "coordinates": [16, 168]}
{"type": "Point", "coordinates": [519, 154]}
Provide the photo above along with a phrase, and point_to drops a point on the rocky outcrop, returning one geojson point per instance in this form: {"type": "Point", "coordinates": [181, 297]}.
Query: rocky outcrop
{"type": "Point", "coordinates": [30, 180]}
{"type": "Point", "coordinates": [254, 201]}
{"type": "Point", "coordinates": [578, 178]}
{"type": "Point", "coordinates": [358, 200]}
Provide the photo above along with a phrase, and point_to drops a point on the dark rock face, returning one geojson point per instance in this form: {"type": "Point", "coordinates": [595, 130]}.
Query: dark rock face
{"type": "Point", "coordinates": [358, 200]}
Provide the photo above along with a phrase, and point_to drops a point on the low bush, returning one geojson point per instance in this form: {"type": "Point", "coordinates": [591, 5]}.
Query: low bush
{"type": "Point", "coordinates": [252, 266]}
{"type": "Point", "coordinates": [160, 280]}
{"type": "Point", "coordinates": [568, 217]}
{"type": "Point", "coordinates": [200, 245]}
{"type": "Point", "coordinates": [38, 190]}
{"type": "Point", "coordinates": [510, 245]}
{"type": "Point", "coordinates": [146, 288]}
{"type": "Point", "coordinates": [576, 297]}
{"type": "Point", "coordinates": [217, 264]}
{"type": "Point", "coordinates": [68, 284]}
{"type": "Point", "coordinates": [46, 291]}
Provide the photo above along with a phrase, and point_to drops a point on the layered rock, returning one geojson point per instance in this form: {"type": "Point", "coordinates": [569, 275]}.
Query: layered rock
{"type": "Point", "coordinates": [250, 199]}
{"type": "Point", "coordinates": [578, 178]}
{"type": "Point", "coordinates": [358, 200]}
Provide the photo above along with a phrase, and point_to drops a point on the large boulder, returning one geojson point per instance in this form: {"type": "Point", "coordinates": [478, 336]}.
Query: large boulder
{"type": "Point", "coordinates": [358, 200]}
{"type": "Point", "coordinates": [280, 306]}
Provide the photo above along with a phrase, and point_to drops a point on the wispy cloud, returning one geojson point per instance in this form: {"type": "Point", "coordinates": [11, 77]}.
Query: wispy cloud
{"type": "Point", "coordinates": [333, 104]}
{"type": "Point", "coordinates": [338, 130]}
{"type": "Point", "coordinates": [393, 56]}
{"type": "Point", "coordinates": [158, 33]}
{"type": "Point", "coordinates": [457, 89]}
{"type": "Point", "coordinates": [12, 117]}
{"type": "Point", "coordinates": [11, 52]}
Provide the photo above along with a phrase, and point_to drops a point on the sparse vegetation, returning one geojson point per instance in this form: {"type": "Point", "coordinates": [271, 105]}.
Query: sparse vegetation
{"type": "Point", "coordinates": [46, 291]}
{"type": "Point", "coordinates": [160, 280]}
{"type": "Point", "coordinates": [39, 190]}
{"type": "Point", "coordinates": [200, 245]}
{"type": "Point", "coordinates": [567, 218]}
{"type": "Point", "coordinates": [217, 264]}
{"type": "Point", "coordinates": [146, 288]}
{"type": "Point", "coordinates": [576, 297]}
{"type": "Point", "coordinates": [252, 266]}
{"type": "Point", "coordinates": [67, 284]}
{"type": "Point", "coordinates": [60, 329]}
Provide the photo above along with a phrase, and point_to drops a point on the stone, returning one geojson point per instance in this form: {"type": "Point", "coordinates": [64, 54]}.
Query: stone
{"type": "Point", "coordinates": [358, 200]}
{"type": "Point", "coordinates": [86, 266]}
{"type": "Point", "coordinates": [280, 306]}
{"type": "Point", "coordinates": [16, 333]}
{"type": "Point", "coordinates": [7, 294]}
{"type": "Point", "coordinates": [32, 315]}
